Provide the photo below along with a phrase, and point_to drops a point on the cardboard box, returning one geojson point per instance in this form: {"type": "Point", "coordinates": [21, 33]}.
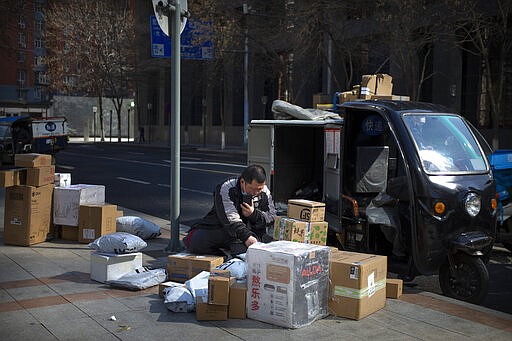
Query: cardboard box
{"type": "Point", "coordinates": [287, 283]}
{"type": "Point", "coordinates": [27, 216]}
{"type": "Point", "coordinates": [69, 233]}
{"type": "Point", "coordinates": [394, 288]}
{"type": "Point", "coordinates": [62, 179]}
{"type": "Point", "coordinates": [300, 231]}
{"type": "Point", "coordinates": [40, 176]}
{"type": "Point", "coordinates": [67, 201]}
{"type": "Point", "coordinates": [109, 267]}
{"type": "Point", "coordinates": [210, 312]}
{"type": "Point", "coordinates": [169, 284]}
{"type": "Point", "coordinates": [379, 84]}
{"type": "Point", "coordinates": [237, 299]}
{"type": "Point", "coordinates": [392, 97]}
{"type": "Point", "coordinates": [183, 266]}
{"type": "Point", "coordinates": [13, 177]}
{"type": "Point", "coordinates": [218, 287]}
{"type": "Point", "coordinates": [357, 284]}
{"type": "Point", "coordinates": [347, 96]}
{"type": "Point", "coordinates": [32, 160]}
{"type": "Point", "coordinates": [96, 220]}
{"type": "Point", "coordinates": [306, 210]}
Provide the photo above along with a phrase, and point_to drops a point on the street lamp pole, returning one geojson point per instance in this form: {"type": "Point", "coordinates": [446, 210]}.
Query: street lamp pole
{"type": "Point", "coordinates": [246, 74]}
{"type": "Point", "coordinates": [94, 110]}
{"type": "Point", "coordinates": [132, 105]}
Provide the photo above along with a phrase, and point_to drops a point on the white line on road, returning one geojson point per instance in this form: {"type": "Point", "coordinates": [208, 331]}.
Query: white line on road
{"type": "Point", "coordinates": [65, 167]}
{"type": "Point", "coordinates": [187, 189]}
{"type": "Point", "coordinates": [134, 180]}
{"type": "Point", "coordinates": [209, 163]}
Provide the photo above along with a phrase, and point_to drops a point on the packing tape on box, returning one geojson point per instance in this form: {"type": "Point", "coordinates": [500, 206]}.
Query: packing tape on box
{"type": "Point", "coordinates": [359, 293]}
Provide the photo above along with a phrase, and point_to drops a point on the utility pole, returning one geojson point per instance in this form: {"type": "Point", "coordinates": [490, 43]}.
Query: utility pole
{"type": "Point", "coordinates": [246, 73]}
{"type": "Point", "coordinates": [173, 11]}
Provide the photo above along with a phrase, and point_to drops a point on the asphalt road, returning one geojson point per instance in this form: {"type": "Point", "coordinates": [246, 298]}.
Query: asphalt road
{"type": "Point", "coordinates": [138, 177]}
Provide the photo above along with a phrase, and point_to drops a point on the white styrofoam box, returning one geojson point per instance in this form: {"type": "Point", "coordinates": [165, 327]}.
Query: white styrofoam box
{"type": "Point", "coordinates": [287, 283]}
{"type": "Point", "coordinates": [67, 201]}
{"type": "Point", "coordinates": [107, 267]}
{"type": "Point", "coordinates": [62, 179]}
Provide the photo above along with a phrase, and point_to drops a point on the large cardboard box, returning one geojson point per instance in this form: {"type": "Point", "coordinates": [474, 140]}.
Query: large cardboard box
{"type": "Point", "coordinates": [40, 176]}
{"type": "Point", "coordinates": [218, 287]}
{"type": "Point", "coordinates": [27, 214]}
{"type": "Point", "coordinates": [306, 210]}
{"type": "Point", "coordinates": [237, 300]}
{"type": "Point", "coordinates": [96, 220]}
{"type": "Point", "coordinates": [13, 177]}
{"type": "Point", "coordinates": [380, 84]}
{"type": "Point", "coordinates": [32, 160]}
{"type": "Point", "coordinates": [184, 266]}
{"type": "Point", "coordinates": [67, 201]}
{"type": "Point", "coordinates": [69, 233]}
{"type": "Point", "coordinates": [287, 283]}
{"type": "Point", "coordinates": [394, 288]}
{"type": "Point", "coordinates": [357, 284]}
{"type": "Point", "coordinates": [107, 267]}
{"type": "Point", "coordinates": [62, 179]}
{"type": "Point", "coordinates": [210, 312]}
{"type": "Point", "coordinates": [295, 230]}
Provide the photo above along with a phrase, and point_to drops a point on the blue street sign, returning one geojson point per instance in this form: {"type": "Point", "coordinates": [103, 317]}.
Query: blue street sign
{"type": "Point", "coordinates": [193, 42]}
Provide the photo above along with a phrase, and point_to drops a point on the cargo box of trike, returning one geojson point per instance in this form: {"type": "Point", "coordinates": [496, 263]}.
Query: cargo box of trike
{"type": "Point", "coordinates": [24, 134]}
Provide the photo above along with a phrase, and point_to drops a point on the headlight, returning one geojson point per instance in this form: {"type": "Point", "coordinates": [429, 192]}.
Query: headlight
{"type": "Point", "coordinates": [472, 204]}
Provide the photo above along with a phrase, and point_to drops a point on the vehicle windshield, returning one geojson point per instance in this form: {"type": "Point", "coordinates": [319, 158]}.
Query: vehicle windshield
{"type": "Point", "coordinates": [445, 144]}
{"type": "Point", "coordinates": [5, 132]}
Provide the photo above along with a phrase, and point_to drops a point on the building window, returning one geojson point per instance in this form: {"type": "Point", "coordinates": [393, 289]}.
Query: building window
{"type": "Point", "coordinates": [38, 60]}
{"type": "Point", "coordinates": [38, 43]}
{"type": "Point", "coordinates": [41, 78]}
{"type": "Point", "coordinates": [38, 91]}
{"type": "Point", "coordinates": [22, 94]}
{"type": "Point", "coordinates": [66, 47]}
{"type": "Point", "coordinates": [21, 23]}
{"type": "Point", "coordinates": [38, 6]}
{"type": "Point", "coordinates": [22, 76]}
{"type": "Point", "coordinates": [39, 25]}
{"type": "Point", "coordinates": [21, 57]}
{"type": "Point", "coordinates": [21, 40]}
{"type": "Point", "coordinates": [21, 4]}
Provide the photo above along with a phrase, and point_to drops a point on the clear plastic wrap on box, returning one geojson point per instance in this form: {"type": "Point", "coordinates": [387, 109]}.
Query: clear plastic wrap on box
{"type": "Point", "coordinates": [287, 283]}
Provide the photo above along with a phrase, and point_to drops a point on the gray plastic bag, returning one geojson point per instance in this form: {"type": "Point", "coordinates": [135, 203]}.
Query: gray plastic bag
{"type": "Point", "coordinates": [140, 278]}
{"type": "Point", "coordinates": [142, 228]}
{"type": "Point", "coordinates": [118, 242]}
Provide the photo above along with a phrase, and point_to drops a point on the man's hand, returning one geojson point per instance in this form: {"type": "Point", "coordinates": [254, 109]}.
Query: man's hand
{"type": "Point", "coordinates": [247, 209]}
{"type": "Point", "coordinates": [251, 240]}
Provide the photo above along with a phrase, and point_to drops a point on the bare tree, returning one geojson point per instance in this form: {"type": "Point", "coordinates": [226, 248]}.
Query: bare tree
{"type": "Point", "coordinates": [484, 30]}
{"type": "Point", "coordinates": [90, 50]}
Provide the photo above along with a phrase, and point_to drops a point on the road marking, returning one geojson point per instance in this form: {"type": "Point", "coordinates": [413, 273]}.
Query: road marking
{"type": "Point", "coordinates": [134, 180]}
{"type": "Point", "coordinates": [187, 189]}
{"type": "Point", "coordinates": [209, 163]}
{"type": "Point", "coordinates": [65, 167]}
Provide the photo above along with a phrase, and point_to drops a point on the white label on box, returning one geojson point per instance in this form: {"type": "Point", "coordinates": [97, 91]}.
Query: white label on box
{"type": "Point", "coordinates": [88, 234]}
{"type": "Point", "coordinates": [354, 272]}
{"type": "Point", "coordinates": [371, 284]}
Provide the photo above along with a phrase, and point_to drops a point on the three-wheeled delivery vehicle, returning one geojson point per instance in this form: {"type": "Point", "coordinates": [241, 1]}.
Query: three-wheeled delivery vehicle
{"type": "Point", "coordinates": [404, 179]}
{"type": "Point", "coordinates": [24, 134]}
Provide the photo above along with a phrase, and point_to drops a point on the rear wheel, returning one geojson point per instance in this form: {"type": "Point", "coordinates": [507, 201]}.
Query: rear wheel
{"type": "Point", "coordinates": [470, 280]}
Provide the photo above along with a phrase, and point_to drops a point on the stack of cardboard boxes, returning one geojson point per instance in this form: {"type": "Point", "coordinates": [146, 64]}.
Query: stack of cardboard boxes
{"type": "Point", "coordinates": [377, 86]}
{"type": "Point", "coordinates": [304, 223]}
{"type": "Point", "coordinates": [226, 298]}
{"type": "Point", "coordinates": [28, 199]}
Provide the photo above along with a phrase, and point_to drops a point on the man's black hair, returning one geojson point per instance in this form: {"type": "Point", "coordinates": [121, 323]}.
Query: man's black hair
{"type": "Point", "coordinates": [254, 172]}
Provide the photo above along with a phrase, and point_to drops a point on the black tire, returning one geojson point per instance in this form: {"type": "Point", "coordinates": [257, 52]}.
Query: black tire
{"type": "Point", "coordinates": [470, 283]}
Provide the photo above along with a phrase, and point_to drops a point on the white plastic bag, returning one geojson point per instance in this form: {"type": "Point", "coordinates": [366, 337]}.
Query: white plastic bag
{"type": "Point", "coordinates": [237, 268]}
{"type": "Point", "coordinates": [118, 242]}
{"type": "Point", "coordinates": [198, 285]}
{"type": "Point", "coordinates": [142, 228]}
{"type": "Point", "coordinates": [179, 299]}
{"type": "Point", "coordinates": [140, 278]}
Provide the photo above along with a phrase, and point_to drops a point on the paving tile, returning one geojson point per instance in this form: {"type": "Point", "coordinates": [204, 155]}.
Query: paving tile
{"type": "Point", "coordinates": [101, 307]}
{"type": "Point", "coordinates": [26, 331]}
{"type": "Point", "coordinates": [10, 306]}
{"type": "Point", "coordinates": [16, 318]}
{"type": "Point", "coordinates": [42, 302]}
{"type": "Point", "coordinates": [29, 292]}
{"type": "Point", "coordinates": [5, 297]}
{"type": "Point", "coordinates": [56, 313]}
{"type": "Point", "coordinates": [79, 329]}
{"type": "Point", "coordinates": [65, 287]}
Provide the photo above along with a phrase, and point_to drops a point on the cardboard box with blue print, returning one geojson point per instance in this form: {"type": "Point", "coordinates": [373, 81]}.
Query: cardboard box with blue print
{"type": "Point", "coordinates": [184, 266]}
{"type": "Point", "coordinates": [357, 284]}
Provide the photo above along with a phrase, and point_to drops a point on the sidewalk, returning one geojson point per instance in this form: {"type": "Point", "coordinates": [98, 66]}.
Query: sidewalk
{"type": "Point", "coordinates": [46, 294]}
